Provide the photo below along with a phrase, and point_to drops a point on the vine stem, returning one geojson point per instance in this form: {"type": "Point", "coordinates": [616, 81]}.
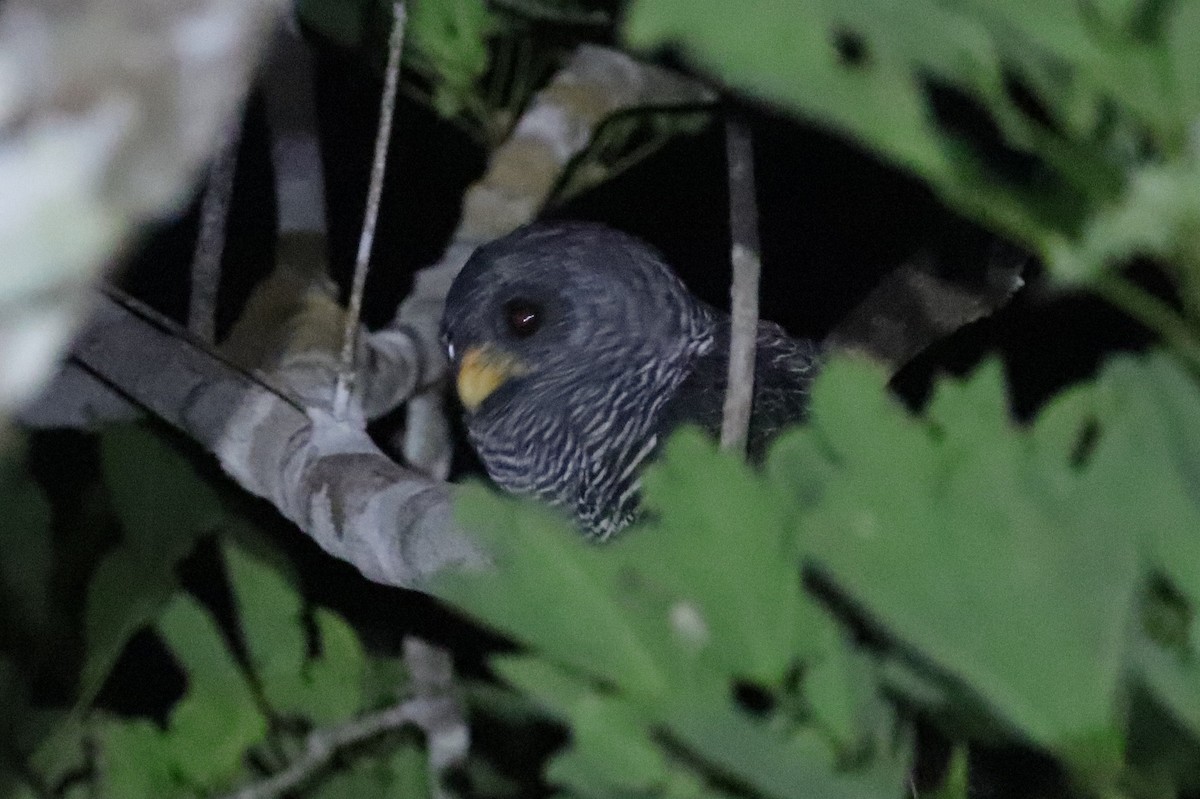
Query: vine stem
{"type": "Point", "coordinates": [362, 260]}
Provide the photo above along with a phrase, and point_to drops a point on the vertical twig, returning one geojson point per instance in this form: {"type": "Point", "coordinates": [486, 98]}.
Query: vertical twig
{"type": "Point", "coordinates": [743, 231]}
{"type": "Point", "coordinates": [387, 107]}
{"type": "Point", "coordinates": [210, 241]}
{"type": "Point", "coordinates": [447, 736]}
{"type": "Point", "coordinates": [288, 88]}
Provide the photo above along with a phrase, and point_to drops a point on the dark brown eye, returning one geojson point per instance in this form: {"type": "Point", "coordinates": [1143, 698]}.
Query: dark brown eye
{"type": "Point", "coordinates": [523, 317]}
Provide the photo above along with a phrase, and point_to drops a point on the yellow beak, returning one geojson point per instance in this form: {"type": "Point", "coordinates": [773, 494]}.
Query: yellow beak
{"type": "Point", "coordinates": [483, 370]}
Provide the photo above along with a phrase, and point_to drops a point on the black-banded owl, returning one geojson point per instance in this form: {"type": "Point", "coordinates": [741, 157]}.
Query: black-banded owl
{"type": "Point", "coordinates": [577, 350]}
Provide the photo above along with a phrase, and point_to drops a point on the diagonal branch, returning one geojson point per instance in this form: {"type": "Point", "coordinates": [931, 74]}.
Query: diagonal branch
{"type": "Point", "coordinates": [922, 301]}
{"type": "Point", "coordinates": [324, 475]}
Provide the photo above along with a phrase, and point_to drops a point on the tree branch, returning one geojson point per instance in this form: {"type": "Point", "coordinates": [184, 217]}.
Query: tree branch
{"type": "Point", "coordinates": [447, 735]}
{"type": "Point", "coordinates": [925, 300]}
{"type": "Point", "coordinates": [324, 475]}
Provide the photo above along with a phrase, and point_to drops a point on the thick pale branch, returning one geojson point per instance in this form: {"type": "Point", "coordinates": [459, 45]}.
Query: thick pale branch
{"type": "Point", "coordinates": [326, 476]}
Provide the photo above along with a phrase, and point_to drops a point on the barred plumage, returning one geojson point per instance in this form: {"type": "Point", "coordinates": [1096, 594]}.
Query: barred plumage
{"type": "Point", "coordinates": [578, 350]}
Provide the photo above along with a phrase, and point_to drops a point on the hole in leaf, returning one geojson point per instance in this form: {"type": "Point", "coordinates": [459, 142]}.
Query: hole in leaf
{"type": "Point", "coordinates": [1028, 103]}
{"type": "Point", "coordinates": [851, 49]}
{"type": "Point", "coordinates": [1166, 615]}
{"type": "Point", "coordinates": [963, 118]}
{"type": "Point", "coordinates": [753, 698]}
{"type": "Point", "coordinates": [1085, 443]}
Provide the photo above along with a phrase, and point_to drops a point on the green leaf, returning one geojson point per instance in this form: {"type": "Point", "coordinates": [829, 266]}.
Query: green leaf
{"type": "Point", "coordinates": [1108, 160]}
{"type": "Point", "coordinates": [211, 728]}
{"type": "Point", "coordinates": [27, 564]}
{"type": "Point", "coordinates": [754, 756]}
{"type": "Point", "coordinates": [164, 507]}
{"type": "Point", "coordinates": [1183, 37]}
{"type": "Point", "coordinates": [162, 503]}
{"type": "Point", "coordinates": [554, 688]}
{"type": "Point", "coordinates": [611, 734]}
{"type": "Point", "coordinates": [335, 680]}
{"type": "Point", "coordinates": [122, 596]}
{"type": "Point", "coordinates": [271, 612]}
{"type": "Point", "coordinates": [928, 525]}
{"type": "Point", "coordinates": [555, 592]}
{"type": "Point", "coordinates": [271, 617]}
{"type": "Point", "coordinates": [705, 500]}
{"type": "Point", "coordinates": [842, 691]}
{"type": "Point", "coordinates": [134, 761]}
{"type": "Point", "coordinates": [1175, 682]}
{"type": "Point", "coordinates": [450, 36]}
{"type": "Point", "coordinates": [1150, 453]}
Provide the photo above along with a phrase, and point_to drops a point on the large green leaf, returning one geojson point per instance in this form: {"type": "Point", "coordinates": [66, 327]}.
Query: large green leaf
{"type": "Point", "coordinates": [558, 594]}
{"type": "Point", "coordinates": [946, 534]}
{"type": "Point", "coordinates": [218, 720]}
{"type": "Point", "coordinates": [1149, 456]}
{"type": "Point", "coordinates": [724, 531]}
{"type": "Point", "coordinates": [326, 687]}
{"type": "Point", "coordinates": [702, 601]}
{"type": "Point", "coordinates": [164, 506]}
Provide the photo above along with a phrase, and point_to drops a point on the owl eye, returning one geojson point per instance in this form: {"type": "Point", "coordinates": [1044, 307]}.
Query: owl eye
{"type": "Point", "coordinates": [523, 317]}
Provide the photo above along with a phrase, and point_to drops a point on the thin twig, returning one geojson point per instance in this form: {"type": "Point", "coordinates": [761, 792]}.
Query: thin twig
{"type": "Point", "coordinates": [176, 331]}
{"type": "Point", "coordinates": [387, 107]}
{"type": "Point", "coordinates": [321, 745]}
{"type": "Point", "coordinates": [447, 736]}
{"type": "Point", "coordinates": [210, 241]}
{"type": "Point", "coordinates": [743, 231]}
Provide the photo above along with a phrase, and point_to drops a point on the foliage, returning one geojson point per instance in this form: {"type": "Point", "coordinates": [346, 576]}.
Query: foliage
{"type": "Point", "coordinates": [1101, 97]}
{"type": "Point", "coordinates": [1076, 124]}
{"type": "Point", "coordinates": [255, 684]}
{"type": "Point", "coordinates": [786, 632]}
{"type": "Point", "coordinates": [476, 65]}
{"type": "Point", "coordinates": [1010, 582]}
